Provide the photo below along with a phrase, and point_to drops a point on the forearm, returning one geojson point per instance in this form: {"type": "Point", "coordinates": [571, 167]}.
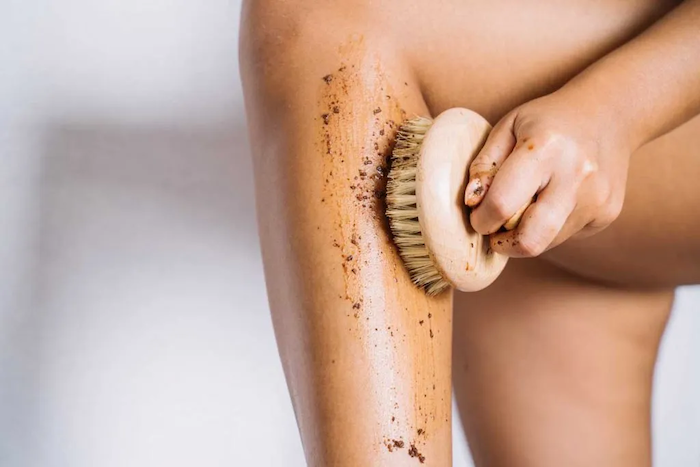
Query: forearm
{"type": "Point", "coordinates": [366, 354]}
{"type": "Point", "coordinates": [651, 84]}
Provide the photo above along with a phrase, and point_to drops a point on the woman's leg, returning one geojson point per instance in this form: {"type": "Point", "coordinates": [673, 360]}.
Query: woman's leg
{"type": "Point", "coordinates": [551, 370]}
{"type": "Point", "coordinates": [365, 353]}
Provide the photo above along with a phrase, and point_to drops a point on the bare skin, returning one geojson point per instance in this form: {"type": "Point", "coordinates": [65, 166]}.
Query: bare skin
{"type": "Point", "coordinates": [551, 367]}
{"type": "Point", "coordinates": [366, 354]}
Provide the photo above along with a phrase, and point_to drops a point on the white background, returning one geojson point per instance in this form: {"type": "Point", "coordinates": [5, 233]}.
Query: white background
{"type": "Point", "coordinates": [134, 328]}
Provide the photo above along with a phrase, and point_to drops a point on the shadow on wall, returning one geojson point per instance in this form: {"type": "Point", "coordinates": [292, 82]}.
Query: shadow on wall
{"type": "Point", "coordinates": [200, 172]}
{"type": "Point", "coordinates": [149, 305]}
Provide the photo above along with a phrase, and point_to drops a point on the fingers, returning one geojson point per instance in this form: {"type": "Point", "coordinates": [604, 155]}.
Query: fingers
{"type": "Point", "coordinates": [519, 179]}
{"type": "Point", "coordinates": [498, 146]}
{"type": "Point", "coordinates": [580, 227]}
{"type": "Point", "coordinates": [515, 218]}
{"type": "Point", "coordinates": [540, 226]}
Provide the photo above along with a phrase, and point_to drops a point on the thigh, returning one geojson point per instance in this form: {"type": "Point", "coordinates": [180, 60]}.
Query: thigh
{"type": "Point", "coordinates": [550, 370]}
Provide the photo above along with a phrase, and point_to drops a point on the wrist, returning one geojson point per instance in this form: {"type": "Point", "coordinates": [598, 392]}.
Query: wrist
{"type": "Point", "coordinates": [606, 100]}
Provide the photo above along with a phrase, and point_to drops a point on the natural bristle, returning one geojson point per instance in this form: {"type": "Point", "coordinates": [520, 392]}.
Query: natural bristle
{"type": "Point", "coordinates": [402, 210]}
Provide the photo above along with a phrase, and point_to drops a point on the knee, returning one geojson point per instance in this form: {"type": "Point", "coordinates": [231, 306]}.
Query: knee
{"type": "Point", "coordinates": [291, 48]}
{"type": "Point", "coordinates": [275, 32]}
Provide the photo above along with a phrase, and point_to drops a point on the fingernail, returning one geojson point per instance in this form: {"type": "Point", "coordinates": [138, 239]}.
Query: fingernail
{"type": "Point", "coordinates": [474, 191]}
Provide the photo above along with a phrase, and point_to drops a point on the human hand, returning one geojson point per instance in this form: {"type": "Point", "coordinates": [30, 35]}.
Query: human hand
{"type": "Point", "coordinates": [567, 156]}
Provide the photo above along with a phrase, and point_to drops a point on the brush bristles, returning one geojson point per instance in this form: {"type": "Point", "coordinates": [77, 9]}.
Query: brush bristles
{"type": "Point", "coordinates": [402, 210]}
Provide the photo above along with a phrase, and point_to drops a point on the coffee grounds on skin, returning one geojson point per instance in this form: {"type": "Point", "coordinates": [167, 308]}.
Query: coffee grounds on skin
{"type": "Point", "coordinates": [413, 452]}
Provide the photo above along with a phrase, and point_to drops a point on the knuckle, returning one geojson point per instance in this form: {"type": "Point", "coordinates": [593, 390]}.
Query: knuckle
{"type": "Point", "coordinates": [613, 211]}
{"type": "Point", "coordinates": [608, 214]}
{"type": "Point", "coordinates": [550, 138]}
{"type": "Point", "coordinates": [531, 245]}
{"type": "Point", "coordinates": [602, 196]}
{"type": "Point", "coordinates": [586, 167]}
{"type": "Point", "coordinates": [499, 206]}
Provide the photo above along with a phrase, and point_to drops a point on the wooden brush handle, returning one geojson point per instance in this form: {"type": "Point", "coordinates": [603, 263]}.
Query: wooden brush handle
{"type": "Point", "coordinates": [461, 255]}
{"type": "Point", "coordinates": [513, 222]}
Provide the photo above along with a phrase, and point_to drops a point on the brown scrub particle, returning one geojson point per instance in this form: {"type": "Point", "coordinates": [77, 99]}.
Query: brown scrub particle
{"type": "Point", "coordinates": [326, 118]}
{"type": "Point", "coordinates": [393, 419]}
{"type": "Point", "coordinates": [531, 147]}
{"type": "Point", "coordinates": [359, 197]}
{"type": "Point", "coordinates": [430, 315]}
{"type": "Point", "coordinates": [493, 164]}
{"type": "Point", "coordinates": [421, 322]}
{"type": "Point", "coordinates": [352, 187]}
{"type": "Point", "coordinates": [377, 110]}
{"type": "Point", "coordinates": [398, 443]}
{"type": "Point", "coordinates": [342, 68]}
{"type": "Point", "coordinates": [336, 109]}
{"type": "Point", "coordinates": [500, 242]}
{"type": "Point", "coordinates": [421, 459]}
{"type": "Point", "coordinates": [431, 333]}
{"type": "Point", "coordinates": [328, 79]}
{"type": "Point", "coordinates": [367, 162]}
{"type": "Point", "coordinates": [381, 132]}
{"type": "Point", "coordinates": [380, 170]}
{"type": "Point", "coordinates": [362, 173]}
{"type": "Point", "coordinates": [349, 258]}
{"type": "Point", "coordinates": [353, 240]}
{"type": "Point", "coordinates": [376, 146]}
{"type": "Point", "coordinates": [478, 190]}
{"type": "Point", "coordinates": [353, 270]}
{"type": "Point", "coordinates": [420, 431]}
{"type": "Point", "coordinates": [413, 452]}
{"type": "Point", "coordinates": [356, 306]}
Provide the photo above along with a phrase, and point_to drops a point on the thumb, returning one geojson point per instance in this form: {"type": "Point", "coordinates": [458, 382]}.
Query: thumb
{"type": "Point", "coordinates": [485, 165]}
